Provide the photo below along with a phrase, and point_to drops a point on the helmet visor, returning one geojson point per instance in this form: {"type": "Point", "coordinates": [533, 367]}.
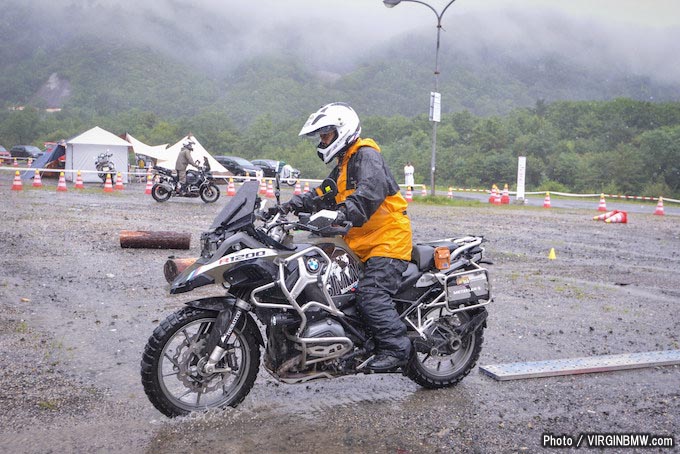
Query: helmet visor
{"type": "Point", "coordinates": [321, 131]}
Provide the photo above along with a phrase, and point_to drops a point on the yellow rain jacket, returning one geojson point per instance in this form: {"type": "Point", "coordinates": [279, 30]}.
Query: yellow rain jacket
{"type": "Point", "coordinates": [373, 203]}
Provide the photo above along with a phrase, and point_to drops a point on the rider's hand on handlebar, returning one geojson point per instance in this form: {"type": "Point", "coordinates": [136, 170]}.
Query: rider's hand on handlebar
{"type": "Point", "coordinates": [296, 204]}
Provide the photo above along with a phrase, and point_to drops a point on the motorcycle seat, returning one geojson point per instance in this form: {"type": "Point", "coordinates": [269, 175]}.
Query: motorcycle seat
{"type": "Point", "coordinates": [423, 256]}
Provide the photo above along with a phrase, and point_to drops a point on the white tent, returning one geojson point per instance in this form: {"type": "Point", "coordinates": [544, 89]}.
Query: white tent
{"type": "Point", "coordinates": [82, 152]}
{"type": "Point", "coordinates": [169, 156]}
{"type": "Point", "coordinates": [155, 152]}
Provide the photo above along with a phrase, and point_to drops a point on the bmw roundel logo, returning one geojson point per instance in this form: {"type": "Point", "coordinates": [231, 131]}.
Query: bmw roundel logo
{"type": "Point", "coordinates": [312, 264]}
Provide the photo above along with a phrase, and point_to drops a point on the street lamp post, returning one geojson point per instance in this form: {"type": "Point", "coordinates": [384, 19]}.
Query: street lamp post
{"type": "Point", "coordinates": [435, 119]}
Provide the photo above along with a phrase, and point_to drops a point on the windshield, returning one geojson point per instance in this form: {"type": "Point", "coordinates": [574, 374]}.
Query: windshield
{"type": "Point", "coordinates": [239, 210]}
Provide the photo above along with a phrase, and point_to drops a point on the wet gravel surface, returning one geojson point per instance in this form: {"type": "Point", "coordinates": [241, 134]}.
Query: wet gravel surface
{"type": "Point", "coordinates": [77, 310]}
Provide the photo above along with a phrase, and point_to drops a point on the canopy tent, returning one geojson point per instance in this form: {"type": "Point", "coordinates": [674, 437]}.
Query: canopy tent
{"type": "Point", "coordinates": [170, 156]}
{"type": "Point", "coordinates": [49, 160]}
{"type": "Point", "coordinates": [82, 152]}
{"type": "Point", "coordinates": [156, 151]}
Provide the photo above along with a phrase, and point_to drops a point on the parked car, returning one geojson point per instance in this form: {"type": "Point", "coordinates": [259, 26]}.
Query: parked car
{"type": "Point", "coordinates": [238, 166]}
{"type": "Point", "coordinates": [5, 157]}
{"type": "Point", "coordinates": [270, 166]}
{"type": "Point", "coordinates": [25, 151]}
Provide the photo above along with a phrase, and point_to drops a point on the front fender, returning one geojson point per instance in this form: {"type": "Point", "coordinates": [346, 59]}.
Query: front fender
{"type": "Point", "coordinates": [226, 303]}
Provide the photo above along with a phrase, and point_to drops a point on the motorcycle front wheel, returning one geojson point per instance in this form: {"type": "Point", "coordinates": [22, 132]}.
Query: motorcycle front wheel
{"type": "Point", "coordinates": [450, 358]}
{"type": "Point", "coordinates": [160, 193]}
{"type": "Point", "coordinates": [210, 193]}
{"type": "Point", "coordinates": [172, 372]}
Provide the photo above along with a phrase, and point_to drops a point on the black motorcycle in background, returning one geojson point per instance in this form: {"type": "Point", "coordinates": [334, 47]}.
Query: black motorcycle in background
{"type": "Point", "coordinates": [200, 183]}
{"type": "Point", "coordinates": [105, 167]}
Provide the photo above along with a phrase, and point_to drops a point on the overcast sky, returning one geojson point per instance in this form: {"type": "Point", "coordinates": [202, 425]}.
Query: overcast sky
{"type": "Point", "coordinates": [643, 35]}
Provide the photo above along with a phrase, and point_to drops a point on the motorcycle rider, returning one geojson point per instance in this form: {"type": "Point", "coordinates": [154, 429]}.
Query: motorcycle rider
{"type": "Point", "coordinates": [369, 197]}
{"type": "Point", "coordinates": [184, 159]}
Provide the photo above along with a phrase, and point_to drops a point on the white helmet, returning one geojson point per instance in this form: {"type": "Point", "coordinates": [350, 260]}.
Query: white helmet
{"type": "Point", "coordinates": [336, 116]}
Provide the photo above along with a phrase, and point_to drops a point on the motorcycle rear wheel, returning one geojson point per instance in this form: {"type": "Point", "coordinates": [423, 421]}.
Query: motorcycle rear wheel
{"type": "Point", "coordinates": [160, 193]}
{"type": "Point", "coordinates": [171, 374]}
{"type": "Point", "coordinates": [440, 369]}
{"type": "Point", "coordinates": [210, 193]}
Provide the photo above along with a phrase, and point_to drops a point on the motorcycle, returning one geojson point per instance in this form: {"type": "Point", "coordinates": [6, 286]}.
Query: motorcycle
{"type": "Point", "coordinates": [105, 167]}
{"type": "Point", "coordinates": [199, 183]}
{"type": "Point", "coordinates": [297, 279]}
{"type": "Point", "coordinates": [289, 175]}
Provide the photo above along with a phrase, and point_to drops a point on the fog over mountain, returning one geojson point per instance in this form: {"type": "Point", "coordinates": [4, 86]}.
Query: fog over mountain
{"type": "Point", "coordinates": [336, 35]}
{"type": "Point", "coordinates": [282, 56]}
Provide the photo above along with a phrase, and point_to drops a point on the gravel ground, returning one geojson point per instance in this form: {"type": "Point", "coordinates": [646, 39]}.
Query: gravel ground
{"type": "Point", "coordinates": [77, 310]}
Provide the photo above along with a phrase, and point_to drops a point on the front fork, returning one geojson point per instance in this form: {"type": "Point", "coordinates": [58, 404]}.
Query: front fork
{"type": "Point", "coordinates": [225, 324]}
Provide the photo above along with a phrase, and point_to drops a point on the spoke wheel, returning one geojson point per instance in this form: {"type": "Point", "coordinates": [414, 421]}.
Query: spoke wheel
{"type": "Point", "coordinates": [449, 358]}
{"type": "Point", "coordinates": [172, 365]}
{"type": "Point", "coordinates": [160, 193]}
{"type": "Point", "coordinates": [210, 193]}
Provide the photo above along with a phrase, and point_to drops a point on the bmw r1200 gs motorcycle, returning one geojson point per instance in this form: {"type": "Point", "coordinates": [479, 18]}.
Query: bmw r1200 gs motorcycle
{"type": "Point", "coordinates": [297, 278]}
{"type": "Point", "coordinates": [199, 183]}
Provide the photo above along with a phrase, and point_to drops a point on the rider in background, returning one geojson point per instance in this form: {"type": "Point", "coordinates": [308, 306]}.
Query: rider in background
{"type": "Point", "coordinates": [184, 159]}
{"type": "Point", "coordinates": [369, 197]}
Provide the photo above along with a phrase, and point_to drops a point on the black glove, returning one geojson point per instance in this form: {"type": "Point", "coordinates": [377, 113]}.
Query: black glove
{"type": "Point", "coordinates": [341, 218]}
{"type": "Point", "coordinates": [298, 203]}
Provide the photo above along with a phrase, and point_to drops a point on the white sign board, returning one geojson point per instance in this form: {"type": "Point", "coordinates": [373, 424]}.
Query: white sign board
{"type": "Point", "coordinates": [521, 171]}
{"type": "Point", "coordinates": [435, 106]}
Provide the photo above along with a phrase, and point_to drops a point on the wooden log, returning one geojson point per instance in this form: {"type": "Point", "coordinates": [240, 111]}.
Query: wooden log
{"type": "Point", "coordinates": [174, 266]}
{"type": "Point", "coordinates": [154, 240]}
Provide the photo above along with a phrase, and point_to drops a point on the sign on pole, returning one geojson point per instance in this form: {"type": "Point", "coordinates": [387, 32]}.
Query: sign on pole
{"type": "Point", "coordinates": [435, 106]}
{"type": "Point", "coordinates": [521, 171]}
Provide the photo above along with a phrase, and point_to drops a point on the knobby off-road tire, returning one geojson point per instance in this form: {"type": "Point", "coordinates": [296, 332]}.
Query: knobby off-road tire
{"type": "Point", "coordinates": [447, 369]}
{"type": "Point", "coordinates": [160, 193]}
{"type": "Point", "coordinates": [210, 193]}
{"type": "Point", "coordinates": [172, 359]}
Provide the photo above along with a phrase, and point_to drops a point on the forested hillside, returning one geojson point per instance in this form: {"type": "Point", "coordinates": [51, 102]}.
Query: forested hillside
{"type": "Point", "coordinates": [586, 124]}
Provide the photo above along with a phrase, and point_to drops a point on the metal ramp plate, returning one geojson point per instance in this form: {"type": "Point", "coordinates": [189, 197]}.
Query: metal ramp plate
{"type": "Point", "coordinates": [551, 368]}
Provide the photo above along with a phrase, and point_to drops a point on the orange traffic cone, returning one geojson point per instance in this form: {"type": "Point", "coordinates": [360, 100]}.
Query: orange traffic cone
{"type": "Point", "coordinates": [37, 181]}
{"type": "Point", "coordinates": [603, 205]}
{"type": "Point", "coordinates": [79, 181]}
{"type": "Point", "coordinates": [149, 183]}
{"type": "Point", "coordinates": [619, 218]}
{"type": "Point", "coordinates": [505, 198]}
{"type": "Point", "coordinates": [659, 207]}
{"type": "Point", "coordinates": [270, 189]}
{"type": "Point", "coordinates": [409, 194]}
{"type": "Point", "coordinates": [423, 191]}
{"type": "Point", "coordinates": [546, 201]}
{"type": "Point", "coordinates": [263, 187]}
{"type": "Point", "coordinates": [492, 196]}
{"type": "Point", "coordinates": [119, 182]}
{"type": "Point", "coordinates": [16, 163]}
{"type": "Point", "coordinates": [605, 216]}
{"type": "Point", "coordinates": [108, 187]}
{"type": "Point", "coordinates": [497, 199]}
{"type": "Point", "coordinates": [306, 190]}
{"type": "Point", "coordinates": [231, 190]}
{"type": "Point", "coordinates": [298, 189]}
{"type": "Point", "coordinates": [16, 185]}
{"type": "Point", "coordinates": [450, 193]}
{"type": "Point", "coordinates": [61, 186]}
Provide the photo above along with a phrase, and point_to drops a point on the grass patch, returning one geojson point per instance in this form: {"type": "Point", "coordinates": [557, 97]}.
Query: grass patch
{"type": "Point", "coordinates": [48, 405]}
{"type": "Point", "coordinates": [445, 201]}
